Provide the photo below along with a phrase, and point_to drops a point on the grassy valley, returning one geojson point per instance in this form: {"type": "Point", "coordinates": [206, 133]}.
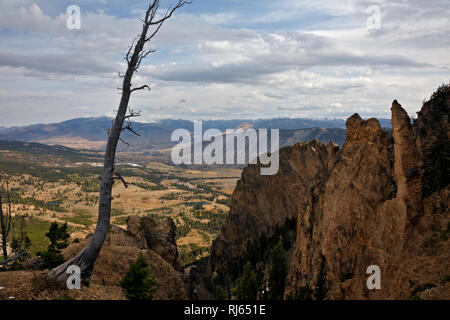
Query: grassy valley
{"type": "Point", "coordinates": [54, 183]}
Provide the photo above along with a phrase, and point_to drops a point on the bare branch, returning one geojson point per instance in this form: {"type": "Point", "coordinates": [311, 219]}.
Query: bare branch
{"type": "Point", "coordinates": [154, 32]}
{"type": "Point", "coordinates": [141, 57]}
{"type": "Point", "coordinates": [170, 12]}
{"type": "Point", "coordinates": [119, 177]}
{"type": "Point", "coordinates": [127, 57]}
{"type": "Point", "coordinates": [133, 115]}
{"type": "Point", "coordinates": [129, 128]}
{"type": "Point", "coordinates": [141, 88]}
{"type": "Point", "coordinates": [20, 255]}
{"type": "Point", "coordinates": [124, 141]}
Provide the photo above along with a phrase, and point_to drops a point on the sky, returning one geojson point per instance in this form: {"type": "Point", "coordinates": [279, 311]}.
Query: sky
{"type": "Point", "coordinates": [223, 59]}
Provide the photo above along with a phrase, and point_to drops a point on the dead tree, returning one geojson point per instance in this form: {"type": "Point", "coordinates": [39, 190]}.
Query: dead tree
{"type": "Point", "coordinates": [137, 52]}
{"type": "Point", "coordinates": [5, 221]}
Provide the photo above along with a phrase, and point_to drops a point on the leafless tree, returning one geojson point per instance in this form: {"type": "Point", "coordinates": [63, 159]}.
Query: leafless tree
{"type": "Point", "coordinates": [5, 221]}
{"type": "Point", "coordinates": [151, 24]}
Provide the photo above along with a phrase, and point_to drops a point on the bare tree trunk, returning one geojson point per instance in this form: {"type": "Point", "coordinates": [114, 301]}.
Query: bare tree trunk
{"type": "Point", "coordinates": [4, 235]}
{"type": "Point", "coordinates": [5, 222]}
{"type": "Point", "coordinates": [86, 258]}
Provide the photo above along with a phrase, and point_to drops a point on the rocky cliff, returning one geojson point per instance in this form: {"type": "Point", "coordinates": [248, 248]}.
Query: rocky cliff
{"type": "Point", "coordinates": [357, 206]}
{"type": "Point", "coordinates": [260, 203]}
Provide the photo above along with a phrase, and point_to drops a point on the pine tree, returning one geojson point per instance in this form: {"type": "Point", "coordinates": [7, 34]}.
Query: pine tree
{"type": "Point", "coordinates": [137, 282]}
{"type": "Point", "coordinates": [436, 163]}
{"type": "Point", "coordinates": [278, 272]}
{"type": "Point", "coordinates": [248, 286]}
{"type": "Point", "coordinates": [59, 239]}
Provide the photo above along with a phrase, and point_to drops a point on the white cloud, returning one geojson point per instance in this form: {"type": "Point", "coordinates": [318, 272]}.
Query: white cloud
{"type": "Point", "coordinates": [210, 66]}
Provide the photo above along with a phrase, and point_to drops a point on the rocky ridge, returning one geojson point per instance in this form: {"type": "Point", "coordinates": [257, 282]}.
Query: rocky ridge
{"type": "Point", "coordinates": [357, 206]}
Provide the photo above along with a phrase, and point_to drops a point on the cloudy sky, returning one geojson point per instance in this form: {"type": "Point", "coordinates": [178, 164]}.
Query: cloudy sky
{"type": "Point", "coordinates": [222, 59]}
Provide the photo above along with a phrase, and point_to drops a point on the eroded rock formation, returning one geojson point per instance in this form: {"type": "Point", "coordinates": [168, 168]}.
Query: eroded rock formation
{"type": "Point", "coordinates": [358, 206]}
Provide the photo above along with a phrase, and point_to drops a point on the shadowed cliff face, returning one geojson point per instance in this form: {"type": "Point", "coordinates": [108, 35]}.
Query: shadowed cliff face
{"type": "Point", "coordinates": [259, 203]}
{"type": "Point", "coordinates": [358, 206]}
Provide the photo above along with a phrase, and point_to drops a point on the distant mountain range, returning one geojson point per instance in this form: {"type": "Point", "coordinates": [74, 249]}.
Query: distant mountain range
{"type": "Point", "coordinates": [91, 133]}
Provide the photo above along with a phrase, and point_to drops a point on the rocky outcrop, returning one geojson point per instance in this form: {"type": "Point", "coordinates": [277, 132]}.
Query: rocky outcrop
{"type": "Point", "coordinates": [144, 235]}
{"type": "Point", "coordinates": [407, 162]}
{"type": "Point", "coordinates": [358, 206]}
{"type": "Point", "coordinates": [157, 236]}
{"type": "Point", "coordinates": [260, 203]}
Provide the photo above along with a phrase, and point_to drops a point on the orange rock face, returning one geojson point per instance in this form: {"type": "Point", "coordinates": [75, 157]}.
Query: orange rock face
{"type": "Point", "coordinates": [358, 206]}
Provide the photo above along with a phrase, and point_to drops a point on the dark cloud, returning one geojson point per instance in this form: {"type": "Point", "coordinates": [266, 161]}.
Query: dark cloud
{"type": "Point", "coordinates": [249, 71]}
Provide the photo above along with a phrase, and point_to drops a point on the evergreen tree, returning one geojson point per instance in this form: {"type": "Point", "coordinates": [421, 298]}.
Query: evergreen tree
{"type": "Point", "coordinates": [58, 235]}
{"type": "Point", "coordinates": [59, 239]}
{"type": "Point", "coordinates": [248, 286]}
{"type": "Point", "coordinates": [137, 282]}
{"type": "Point", "coordinates": [436, 163]}
{"type": "Point", "coordinates": [278, 272]}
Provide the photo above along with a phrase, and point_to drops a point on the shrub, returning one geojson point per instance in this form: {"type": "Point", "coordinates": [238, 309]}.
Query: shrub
{"type": "Point", "coordinates": [137, 282]}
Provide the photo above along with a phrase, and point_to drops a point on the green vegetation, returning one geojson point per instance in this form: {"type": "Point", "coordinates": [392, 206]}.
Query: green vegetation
{"type": "Point", "coordinates": [117, 212]}
{"type": "Point", "coordinates": [170, 196]}
{"type": "Point", "coordinates": [278, 272]}
{"type": "Point", "coordinates": [304, 293]}
{"type": "Point", "coordinates": [120, 221]}
{"type": "Point", "coordinates": [346, 276]}
{"type": "Point", "coordinates": [214, 225]}
{"type": "Point", "coordinates": [15, 195]}
{"type": "Point", "coordinates": [80, 216]}
{"type": "Point", "coordinates": [442, 91]}
{"type": "Point", "coordinates": [137, 282]}
{"type": "Point", "coordinates": [263, 253]}
{"type": "Point", "coordinates": [436, 163]}
{"type": "Point", "coordinates": [182, 231]}
{"type": "Point", "coordinates": [59, 239]}
{"type": "Point", "coordinates": [226, 201]}
{"type": "Point", "coordinates": [148, 186]}
{"type": "Point", "coordinates": [20, 244]}
{"type": "Point", "coordinates": [445, 279]}
{"type": "Point", "coordinates": [204, 235]}
{"type": "Point", "coordinates": [190, 253]}
{"type": "Point", "coordinates": [35, 230]}
{"type": "Point", "coordinates": [247, 288]}
{"type": "Point", "coordinates": [418, 289]}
